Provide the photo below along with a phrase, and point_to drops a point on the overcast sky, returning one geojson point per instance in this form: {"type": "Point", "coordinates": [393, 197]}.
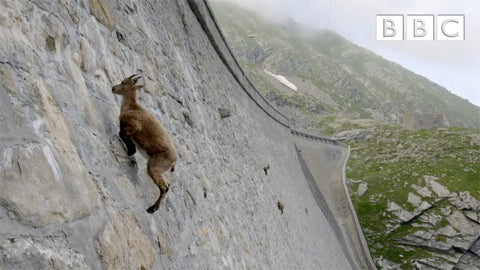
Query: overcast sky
{"type": "Point", "coordinates": [452, 64]}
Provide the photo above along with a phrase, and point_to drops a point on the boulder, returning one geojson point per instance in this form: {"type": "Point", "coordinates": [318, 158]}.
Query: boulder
{"type": "Point", "coordinates": [362, 188]}
{"type": "Point", "coordinates": [440, 190]}
{"type": "Point", "coordinates": [462, 224]}
{"type": "Point", "coordinates": [465, 201]}
{"type": "Point", "coordinates": [353, 135]}
{"type": "Point", "coordinates": [422, 191]}
{"type": "Point", "coordinates": [39, 253]}
{"type": "Point", "coordinates": [37, 189]}
{"type": "Point", "coordinates": [448, 231]}
{"type": "Point", "coordinates": [414, 199]}
{"type": "Point", "coordinates": [402, 214]}
{"type": "Point", "coordinates": [123, 245]}
{"type": "Point", "coordinates": [431, 219]}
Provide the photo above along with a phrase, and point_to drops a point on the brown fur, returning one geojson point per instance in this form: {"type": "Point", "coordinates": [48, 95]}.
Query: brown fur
{"type": "Point", "coordinates": [139, 128]}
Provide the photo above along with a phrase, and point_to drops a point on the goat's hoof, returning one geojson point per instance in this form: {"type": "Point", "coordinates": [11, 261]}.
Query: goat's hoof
{"type": "Point", "coordinates": [152, 209]}
{"type": "Point", "coordinates": [131, 153]}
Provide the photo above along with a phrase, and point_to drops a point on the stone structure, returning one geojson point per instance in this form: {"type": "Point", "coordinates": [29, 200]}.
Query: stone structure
{"type": "Point", "coordinates": [415, 120]}
{"type": "Point", "coordinates": [70, 198]}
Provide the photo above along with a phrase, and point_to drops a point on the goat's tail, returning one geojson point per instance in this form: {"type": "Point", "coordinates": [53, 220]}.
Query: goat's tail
{"type": "Point", "coordinates": [173, 168]}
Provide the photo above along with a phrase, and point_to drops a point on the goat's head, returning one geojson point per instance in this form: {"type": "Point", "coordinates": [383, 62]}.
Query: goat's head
{"type": "Point", "coordinates": [127, 85]}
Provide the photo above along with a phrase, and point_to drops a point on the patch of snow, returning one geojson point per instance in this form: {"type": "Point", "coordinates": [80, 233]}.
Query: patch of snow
{"type": "Point", "coordinates": [283, 80]}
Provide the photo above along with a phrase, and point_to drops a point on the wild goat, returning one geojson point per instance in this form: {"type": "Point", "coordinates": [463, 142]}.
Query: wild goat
{"type": "Point", "coordinates": [139, 129]}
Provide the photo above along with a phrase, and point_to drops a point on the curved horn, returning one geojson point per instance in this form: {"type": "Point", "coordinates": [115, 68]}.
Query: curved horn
{"type": "Point", "coordinates": [136, 78]}
{"type": "Point", "coordinates": [132, 76]}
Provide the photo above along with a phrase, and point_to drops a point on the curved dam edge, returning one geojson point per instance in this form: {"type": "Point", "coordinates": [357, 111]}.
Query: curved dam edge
{"type": "Point", "coordinates": [353, 233]}
{"type": "Point", "coordinates": [205, 17]}
{"type": "Point", "coordinates": [327, 212]}
{"type": "Point", "coordinates": [326, 164]}
{"type": "Point", "coordinates": [361, 237]}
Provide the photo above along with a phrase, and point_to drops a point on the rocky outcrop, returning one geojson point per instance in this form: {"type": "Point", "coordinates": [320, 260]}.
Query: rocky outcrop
{"type": "Point", "coordinates": [70, 198]}
{"type": "Point", "coordinates": [450, 232]}
{"type": "Point", "coordinates": [37, 189]}
{"type": "Point", "coordinates": [122, 244]}
{"type": "Point", "coordinates": [422, 197]}
{"type": "Point", "coordinates": [52, 252]}
{"type": "Point", "coordinates": [353, 135]}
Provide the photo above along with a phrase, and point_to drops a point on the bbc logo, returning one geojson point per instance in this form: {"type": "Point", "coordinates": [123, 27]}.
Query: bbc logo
{"type": "Point", "coordinates": [421, 27]}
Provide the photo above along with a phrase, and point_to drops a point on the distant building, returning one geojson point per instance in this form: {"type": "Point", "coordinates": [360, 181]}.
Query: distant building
{"type": "Point", "coordinates": [415, 120]}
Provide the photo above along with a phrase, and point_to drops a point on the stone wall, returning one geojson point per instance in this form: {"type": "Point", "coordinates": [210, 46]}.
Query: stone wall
{"type": "Point", "coordinates": [414, 120]}
{"type": "Point", "coordinates": [70, 198]}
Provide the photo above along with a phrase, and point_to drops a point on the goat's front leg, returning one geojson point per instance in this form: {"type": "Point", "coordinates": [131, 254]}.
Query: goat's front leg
{"type": "Point", "coordinates": [126, 139]}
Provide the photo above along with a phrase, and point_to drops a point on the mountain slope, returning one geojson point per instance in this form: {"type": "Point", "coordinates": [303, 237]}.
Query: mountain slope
{"type": "Point", "coordinates": [333, 75]}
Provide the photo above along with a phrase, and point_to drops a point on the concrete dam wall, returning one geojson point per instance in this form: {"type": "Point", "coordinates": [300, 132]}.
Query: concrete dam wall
{"type": "Point", "coordinates": [70, 197]}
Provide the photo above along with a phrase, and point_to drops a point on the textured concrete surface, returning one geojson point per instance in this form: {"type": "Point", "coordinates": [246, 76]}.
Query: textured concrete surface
{"type": "Point", "coordinates": [324, 166]}
{"type": "Point", "coordinates": [70, 198]}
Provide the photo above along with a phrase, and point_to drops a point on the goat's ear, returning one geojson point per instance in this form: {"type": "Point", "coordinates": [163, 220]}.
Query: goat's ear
{"type": "Point", "coordinates": [136, 87]}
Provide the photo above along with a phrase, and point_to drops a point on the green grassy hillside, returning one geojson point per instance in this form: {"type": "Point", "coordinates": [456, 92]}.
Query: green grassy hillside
{"type": "Point", "coordinates": [395, 163]}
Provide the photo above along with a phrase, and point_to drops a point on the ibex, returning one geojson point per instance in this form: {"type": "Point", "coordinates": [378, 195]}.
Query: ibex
{"type": "Point", "coordinates": [139, 129]}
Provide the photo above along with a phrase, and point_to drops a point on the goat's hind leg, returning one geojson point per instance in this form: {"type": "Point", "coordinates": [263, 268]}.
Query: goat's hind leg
{"type": "Point", "coordinates": [164, 187]}
{"type": "Point", "coordinates": [155, 168]}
